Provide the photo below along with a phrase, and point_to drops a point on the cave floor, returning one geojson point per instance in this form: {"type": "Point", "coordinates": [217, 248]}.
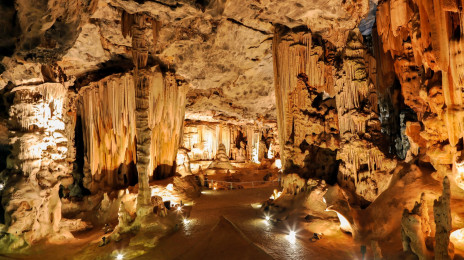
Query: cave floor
{"type": "Point", "coordinates": [240, 207]}
{"type": "Point", "coordinates": [236, 206]}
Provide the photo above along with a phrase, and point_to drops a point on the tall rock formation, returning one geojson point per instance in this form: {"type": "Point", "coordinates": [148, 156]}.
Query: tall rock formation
{"type": "Point", "coordinates": [415, 228]}
{"type": "Point", "coordinates": [108, 110]}
{"type": "Point", "coordinates": [306, 111]}
{"type": "Point", "coordinates": [364, 168]}
{"type": "Point", "coordinates": [37, 165]}
{"type": "Point", "coordinates": [327, 111]}
{"type": "Point", "coordinates": [442, 214]}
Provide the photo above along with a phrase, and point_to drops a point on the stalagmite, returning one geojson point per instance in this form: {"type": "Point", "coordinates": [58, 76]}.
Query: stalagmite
{"type": "Point", "coordinates": [125, 121]}
{"type": "Point", "coordinates": [221, 163]}
{"type": "Point", "coordinates": [415, 228]}
{"type": "Point", "coordinates": [442, 214]}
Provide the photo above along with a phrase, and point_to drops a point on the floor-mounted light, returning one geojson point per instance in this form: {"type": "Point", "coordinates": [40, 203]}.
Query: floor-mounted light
{"type": "Point", "coordinates": [291, 236]}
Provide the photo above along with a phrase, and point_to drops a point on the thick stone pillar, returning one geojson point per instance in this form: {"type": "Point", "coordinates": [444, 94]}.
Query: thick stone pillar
{"type": "Point", "coordinates": [36, 164]}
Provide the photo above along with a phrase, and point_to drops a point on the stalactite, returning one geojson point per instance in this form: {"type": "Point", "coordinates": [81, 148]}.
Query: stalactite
{"type": "Point", "coordinates": [135, 26]}
{"type": "Point", "coordinates": [167, 100]}
{"type": "Point", "coordinates": [203, 139]}
{"type": "Point", "coordinates": [108, 108]}
{"type": "Point", "coordinates": [427, 55]}
{"type": "Point", "coordinates": [156, 27]}
{"type": "Point", "coordinates": [109, 133]}
{"type": "Point", "coordinates": [356, 102]}
{"type": "Point", "coordinates": [303, 73]}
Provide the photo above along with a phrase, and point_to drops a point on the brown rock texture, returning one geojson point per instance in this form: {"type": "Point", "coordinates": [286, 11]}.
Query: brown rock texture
{"type": "Point", "coordinates": [415, 228]}
{"type": "Point", "coordinates": [364, 167]}
{"type": "Point", "coordinates": [424, 40]}
{"type": "Point", "coordinates": [97, 96]}
{"type": "Point", "coordinates": [442, 214]}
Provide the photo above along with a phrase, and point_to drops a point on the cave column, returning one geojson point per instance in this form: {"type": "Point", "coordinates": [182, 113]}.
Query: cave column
{"type": "Point", "coordinates": [139, 24]}
{"type": "Point", "coordinates": [37, 164]}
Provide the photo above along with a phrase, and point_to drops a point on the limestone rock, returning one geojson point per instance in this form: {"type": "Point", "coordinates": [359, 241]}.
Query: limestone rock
{"type": "Point", "coordinates": [221, 163]}
{"type": "Point", "coordinates": [187, 187]}
{"type": "Point", "coordinates": [37, 162]}
{"type": "Point", "coordinates": [293, 184]}
{"type": "Point", "coordinates": [183, 162]}
{"type": "Point", "coordinates": [100, 107]}
{"type": "Point", "coordinates": [442, 214]}
{"type": "Point", "coordinates": [415, 228]}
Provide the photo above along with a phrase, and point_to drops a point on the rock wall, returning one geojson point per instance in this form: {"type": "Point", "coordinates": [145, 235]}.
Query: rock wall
{"type": "Point", "coordinates": [327, 111]}
{"type": "Point", "coordinates": [108, 110]}
{"type": "Point", "coordinates": [38, 164]}
{"type": "Point", "coordinates": [424, 39]}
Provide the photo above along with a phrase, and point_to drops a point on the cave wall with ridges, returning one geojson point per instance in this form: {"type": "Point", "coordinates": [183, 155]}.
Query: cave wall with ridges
{"type": "Point", "coordinates": [424, 39]}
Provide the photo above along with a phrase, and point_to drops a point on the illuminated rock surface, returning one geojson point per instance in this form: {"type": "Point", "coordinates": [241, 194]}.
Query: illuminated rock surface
{"type": "Point", "coordinates": [146, 129]}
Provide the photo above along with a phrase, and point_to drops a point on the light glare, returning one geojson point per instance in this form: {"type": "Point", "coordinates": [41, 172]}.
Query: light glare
{"type": "Point", "coordinates": [291, 236]}
{"type": "Point", "coordinates": [278, 164]}
{"type": "Point", "coordinates": [119, 257]}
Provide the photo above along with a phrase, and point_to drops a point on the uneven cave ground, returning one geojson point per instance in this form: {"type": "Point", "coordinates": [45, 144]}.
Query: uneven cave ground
{"type": "Point", "coordinates": [219, 129]}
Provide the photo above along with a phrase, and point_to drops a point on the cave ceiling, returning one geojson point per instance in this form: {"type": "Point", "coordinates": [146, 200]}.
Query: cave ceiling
{"type": "Point", "coordinates": [222, 48]}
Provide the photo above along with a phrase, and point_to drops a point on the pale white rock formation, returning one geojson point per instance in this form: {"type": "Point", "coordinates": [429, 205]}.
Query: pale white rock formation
{"type": "Point", "coordinates": [221, 163]}
{"type": "Point", "coordinates": [36, 164]}
{"type": "Point", "coordinates": [293, 184]}
{"type": "Point", "coordinates": [183, 162]}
